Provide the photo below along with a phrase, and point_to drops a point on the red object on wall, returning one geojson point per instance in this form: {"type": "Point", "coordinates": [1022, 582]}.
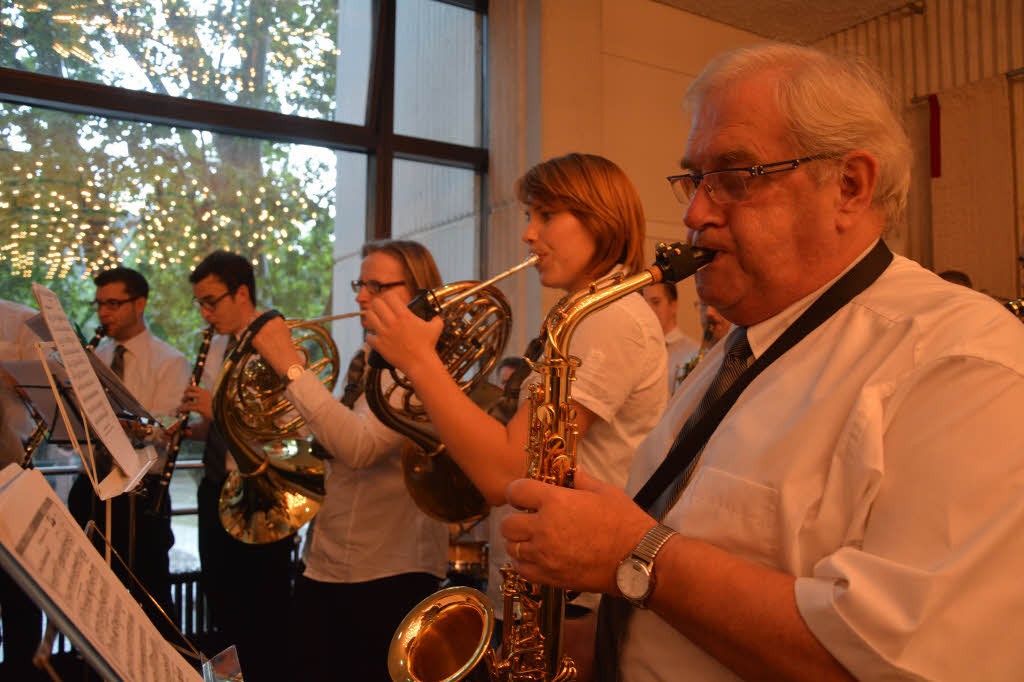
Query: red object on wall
{"type": "Point", "coordinates": [935, 135]}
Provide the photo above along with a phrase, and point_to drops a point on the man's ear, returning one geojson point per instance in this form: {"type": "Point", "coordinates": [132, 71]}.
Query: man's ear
{"type": "Point", "coordinates": [857, 179]}
{"type": "Point", "coordinates": [140, 305]}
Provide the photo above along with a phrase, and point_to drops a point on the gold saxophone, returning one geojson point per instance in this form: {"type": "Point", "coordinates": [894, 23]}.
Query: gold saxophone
{"type": "Point", "coordinates": [446, 637]}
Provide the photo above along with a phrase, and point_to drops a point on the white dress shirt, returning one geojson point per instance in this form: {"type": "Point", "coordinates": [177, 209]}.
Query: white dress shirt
{"type": "Point", "coordinates": [368, 526]}
{"type": "Point", "coordinates": [680, 348]}
{"type": "Point", "coordinates": [881, 462]}
{"type": "Point", "coordinates": [155, 372]}
{"type": "Point", "coordinates": [621, 379]}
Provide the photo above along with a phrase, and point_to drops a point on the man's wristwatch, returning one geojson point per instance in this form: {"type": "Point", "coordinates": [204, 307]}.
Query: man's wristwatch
{"type": "Point", "coordinates": [292, 373]}
{"type": "Point", "coordinates": [635, 574]}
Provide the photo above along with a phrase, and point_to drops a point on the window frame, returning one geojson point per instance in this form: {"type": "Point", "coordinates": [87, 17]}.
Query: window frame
{"type": "Point", "coordinates": [376, 139]}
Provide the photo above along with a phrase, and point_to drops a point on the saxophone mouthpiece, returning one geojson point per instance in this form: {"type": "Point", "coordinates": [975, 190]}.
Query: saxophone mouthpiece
{"type": "Point", "coordinates": [676, 262]}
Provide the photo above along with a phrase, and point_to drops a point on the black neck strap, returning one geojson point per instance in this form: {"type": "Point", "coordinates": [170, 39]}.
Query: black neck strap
{"type": "Point", "coordinates": [252, 330]}
{"type": "Point", "coordinates": [856, 280]}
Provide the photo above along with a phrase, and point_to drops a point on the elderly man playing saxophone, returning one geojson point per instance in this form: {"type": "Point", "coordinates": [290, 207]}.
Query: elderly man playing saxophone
{"type": "Point", "coordinates": [851, 506]}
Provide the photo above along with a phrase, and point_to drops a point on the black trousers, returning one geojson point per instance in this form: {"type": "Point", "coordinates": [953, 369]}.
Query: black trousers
{"type": "Point", "coordinates": [22, 623]}
{"type": "Point", "coordinates": [153, 540]}
{"type": "Point", "coordinates": [342, 631]}
{"type": "Point", "coordinates": [248, 589]}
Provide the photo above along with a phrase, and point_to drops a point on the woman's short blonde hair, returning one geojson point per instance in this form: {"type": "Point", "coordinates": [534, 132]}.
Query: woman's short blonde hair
{"type": "Point", "coordinates": [417, 263]}
{"type": "Point", "coordinates": [601, 196]}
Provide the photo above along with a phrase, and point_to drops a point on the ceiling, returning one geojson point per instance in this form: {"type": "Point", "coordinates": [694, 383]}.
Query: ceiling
{"type": "Point", "coordinates": [801, 21]}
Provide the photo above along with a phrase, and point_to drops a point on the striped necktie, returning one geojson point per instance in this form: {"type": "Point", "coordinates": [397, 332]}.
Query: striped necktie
{"type": "Point", "coordinates": [737, 357]}
{"type": "Point", "coordinates": [117, 364]}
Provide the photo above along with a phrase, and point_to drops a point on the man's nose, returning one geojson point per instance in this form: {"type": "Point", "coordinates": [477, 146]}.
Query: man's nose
{"type": "Point", "coordinates": [703, 211]}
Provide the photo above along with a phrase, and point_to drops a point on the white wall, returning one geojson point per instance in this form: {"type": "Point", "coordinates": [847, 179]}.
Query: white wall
{"type": "Point", "coordinates": [595, 76]}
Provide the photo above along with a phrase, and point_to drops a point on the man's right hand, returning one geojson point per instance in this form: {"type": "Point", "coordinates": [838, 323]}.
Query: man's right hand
{"type": "Point", "coordinates": [197, 399]}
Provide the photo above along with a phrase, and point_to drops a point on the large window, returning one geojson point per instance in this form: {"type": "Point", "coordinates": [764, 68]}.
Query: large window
{"type": "Point", "coordinates": [150, 132]}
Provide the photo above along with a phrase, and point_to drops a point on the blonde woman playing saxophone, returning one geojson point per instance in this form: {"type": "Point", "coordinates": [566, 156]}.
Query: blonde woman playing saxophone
{"type": "Point", "coordinates": [585, 221]}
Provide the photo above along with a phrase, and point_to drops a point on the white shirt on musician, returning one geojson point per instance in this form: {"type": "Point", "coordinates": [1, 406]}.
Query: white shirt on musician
{"type": "Point", "coordinates": [368, 526]}
{"type": "Point", "coordinates": [881, 461]}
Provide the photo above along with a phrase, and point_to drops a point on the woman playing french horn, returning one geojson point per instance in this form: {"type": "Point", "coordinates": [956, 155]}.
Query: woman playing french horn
{"type": "Point", "coordinates": [372, 554]}
{"type": "Point", "coordinates": [584, 221]}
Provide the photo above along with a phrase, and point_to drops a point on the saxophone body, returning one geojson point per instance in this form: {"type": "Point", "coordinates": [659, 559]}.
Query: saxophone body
{"type": "Point", "coordinates": [459, 619]}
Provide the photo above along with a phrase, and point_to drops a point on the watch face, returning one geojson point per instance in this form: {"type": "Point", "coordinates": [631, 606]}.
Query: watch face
{"type": "Point", "coordinates": [632, 579]}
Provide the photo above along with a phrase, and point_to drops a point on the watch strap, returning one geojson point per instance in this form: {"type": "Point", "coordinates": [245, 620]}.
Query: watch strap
{"type": "Point", "coordinates": [652, 543]}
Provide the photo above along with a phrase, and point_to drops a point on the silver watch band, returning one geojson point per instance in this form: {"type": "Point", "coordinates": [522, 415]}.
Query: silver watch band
{"type": "Point", "coordinates": [652, 542]}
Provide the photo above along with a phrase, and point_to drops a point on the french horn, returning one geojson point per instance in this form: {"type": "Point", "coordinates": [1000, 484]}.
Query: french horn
{"type": "Point", "coordinates": [477, 322]}
{"type": "Point", "coordinates": [279, 485]}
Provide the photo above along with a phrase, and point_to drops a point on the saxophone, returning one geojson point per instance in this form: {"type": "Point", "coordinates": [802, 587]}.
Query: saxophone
{"type": "Point", "coordinates": [446, 637]}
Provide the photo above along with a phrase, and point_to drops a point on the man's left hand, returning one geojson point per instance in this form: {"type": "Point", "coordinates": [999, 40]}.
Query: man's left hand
{"type": "Point", "coordinates": [575, 537]}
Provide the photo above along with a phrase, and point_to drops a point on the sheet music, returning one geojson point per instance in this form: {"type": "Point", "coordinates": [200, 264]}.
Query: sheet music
{"type": "Point", "coordinates": [43, 538]}
{"type": "Point", "coordinates": [133, 464]}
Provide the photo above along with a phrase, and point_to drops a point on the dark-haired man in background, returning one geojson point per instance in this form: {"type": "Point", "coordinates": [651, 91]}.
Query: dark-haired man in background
{"type": "Point", "coordinates": [155, 373]}
{"type": "Point", "coordinates": [247, 585]}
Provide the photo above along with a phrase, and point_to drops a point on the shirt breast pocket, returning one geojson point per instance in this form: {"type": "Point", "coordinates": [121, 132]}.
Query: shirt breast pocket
{"type": "Point", "coordinates": [735, 514]}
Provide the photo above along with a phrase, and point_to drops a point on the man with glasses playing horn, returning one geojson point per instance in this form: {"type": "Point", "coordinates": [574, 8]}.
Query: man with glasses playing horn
{"type": "Point", "coordinates": [248, 586]}
{"type": "Point", "coordinates": [372, 554]}
{"type": "Point", "coordinates": [836, 491]}
{"type": "Point", "coordinates": [155, 373]}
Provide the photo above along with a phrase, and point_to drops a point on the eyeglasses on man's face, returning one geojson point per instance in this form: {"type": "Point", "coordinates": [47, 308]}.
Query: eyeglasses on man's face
{"type": "Point", "coordinates": [373, 286]}
{"type": "Point", "coordinates": [112, 303]}
{"type": "Point", "coordinates": [209, 303]}
{"type": "Point", "coordinates": [728, 185]}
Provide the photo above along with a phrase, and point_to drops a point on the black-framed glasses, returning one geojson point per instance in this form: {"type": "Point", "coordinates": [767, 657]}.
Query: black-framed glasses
{"type": "Point", "coordinates": [730, 184]}
{"type": "Point", "coordinates": [373, 286]}
{"type": "Point", "coordinates": [211, 303]}
{"type": "Point", "coordinates": [113, 303]}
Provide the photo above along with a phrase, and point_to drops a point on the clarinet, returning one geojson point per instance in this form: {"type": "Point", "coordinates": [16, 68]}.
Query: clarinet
{"type": "Point", "coordinates": [179, 435]}
{"type": "Point", "coordinates": [101, 331]}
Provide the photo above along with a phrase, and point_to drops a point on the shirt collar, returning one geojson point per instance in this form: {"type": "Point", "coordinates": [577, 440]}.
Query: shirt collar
{"type": "Point", "coordinates": [137, 343]}
{"type": "Point", "coordinates": [763, 334]}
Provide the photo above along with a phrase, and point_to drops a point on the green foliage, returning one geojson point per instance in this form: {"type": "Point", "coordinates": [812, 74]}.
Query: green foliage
{"type": "Point", "coordinates": [82, 193]}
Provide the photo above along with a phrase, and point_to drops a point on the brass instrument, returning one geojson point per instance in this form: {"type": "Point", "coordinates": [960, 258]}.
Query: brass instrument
{"type": "Point", "coordinates": [1016, 307]}
{"type": "Point", "coordinates": [683, 371]}
{"type": "Point", "coordinates": [179, 434]}
{"type": "Point", "coordinates": [279, 484]}
{"type": "Point", "coordinates": [445, 637]}
{"type": "Point", "coordinates": [477, 321]}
